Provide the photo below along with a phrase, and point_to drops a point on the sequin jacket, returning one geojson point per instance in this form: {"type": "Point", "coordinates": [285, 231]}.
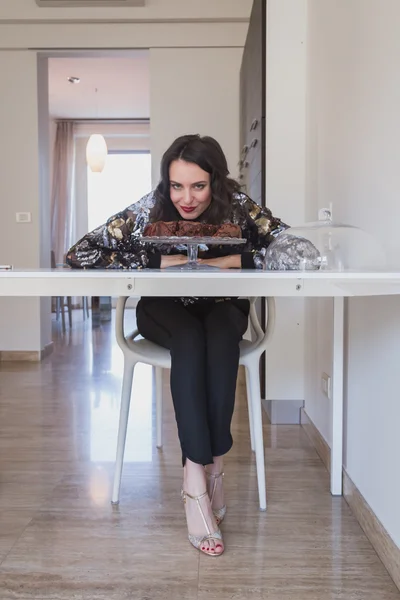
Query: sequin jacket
{"type": "Point", "coordinates": [117, 244]}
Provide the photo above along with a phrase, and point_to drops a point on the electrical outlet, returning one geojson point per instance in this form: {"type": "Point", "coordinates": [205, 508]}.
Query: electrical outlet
{"type": "Point", "coordinates": [326, 385]}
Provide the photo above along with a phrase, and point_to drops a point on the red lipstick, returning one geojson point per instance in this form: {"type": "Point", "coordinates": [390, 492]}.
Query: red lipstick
{"type": "Point", "coordinates": [188, 209]}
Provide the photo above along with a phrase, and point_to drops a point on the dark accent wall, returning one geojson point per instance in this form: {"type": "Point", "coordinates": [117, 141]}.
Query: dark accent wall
{"type": "Point", "coordinates": [252, 106]}
{"type": "Point", "coordinates": [252, 123]}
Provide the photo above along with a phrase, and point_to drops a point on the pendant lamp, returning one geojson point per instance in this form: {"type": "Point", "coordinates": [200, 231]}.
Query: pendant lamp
{"type": "Point", "coordinates": [96, 151]}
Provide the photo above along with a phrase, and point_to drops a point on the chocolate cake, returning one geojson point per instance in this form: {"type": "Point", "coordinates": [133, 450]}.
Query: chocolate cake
{"type": "Point", "coordinates": [228, 230]}
{"type": "Point", "coordinates": [160, 229]}
{"type": "Point", "coordinates": [191, 229]}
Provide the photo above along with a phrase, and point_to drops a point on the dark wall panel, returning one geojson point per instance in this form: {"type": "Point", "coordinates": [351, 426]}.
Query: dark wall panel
{"type": "Point", "coordinates": [252, 123]}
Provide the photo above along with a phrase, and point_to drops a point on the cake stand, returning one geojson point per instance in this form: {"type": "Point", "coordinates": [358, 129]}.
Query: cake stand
{"type": "Point", "coordinates": [192, 244]}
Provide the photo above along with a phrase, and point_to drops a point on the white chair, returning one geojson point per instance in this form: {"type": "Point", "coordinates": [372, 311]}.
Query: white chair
{"type": "Point", "coordinates": [143, 351]}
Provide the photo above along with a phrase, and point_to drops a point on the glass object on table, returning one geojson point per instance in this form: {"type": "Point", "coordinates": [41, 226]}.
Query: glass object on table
{"type": "Point", "coordinates": [324, 245]}
{"type": "Point", "coordinates": [192, 244]}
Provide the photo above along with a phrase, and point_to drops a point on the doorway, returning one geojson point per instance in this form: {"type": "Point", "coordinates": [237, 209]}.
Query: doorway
{"type": "Point", "coordinates": [105, 93]}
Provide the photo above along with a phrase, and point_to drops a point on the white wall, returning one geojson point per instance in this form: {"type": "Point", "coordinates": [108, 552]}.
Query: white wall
{"type": "Point", "coordinates": [353, 162]}
{"type": "Point", "coordinates": [285, 177]}
{"type": "Point", "coordinates": [22, 185]}
{"type": "Point", "coordinates": [123, 35]}
{"type": "Point", "coordinates": [194, 90]}
{"type": "Point", "coordinates": [28, 10]}
{"type": "Point", "coordinates": [45, 179]}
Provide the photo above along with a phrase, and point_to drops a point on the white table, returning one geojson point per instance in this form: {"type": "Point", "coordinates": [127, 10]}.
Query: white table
{"type": "Point", "coordinates": [338, 285]}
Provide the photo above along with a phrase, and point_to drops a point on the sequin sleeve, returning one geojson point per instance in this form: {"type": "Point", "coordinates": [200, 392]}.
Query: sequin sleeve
{"type": "Point", "coordinates": [116, 244]}
{"type": "Point", "coordinates": [261, 228]}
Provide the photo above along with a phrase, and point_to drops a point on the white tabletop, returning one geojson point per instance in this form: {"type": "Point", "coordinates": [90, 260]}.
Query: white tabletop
{"type": "Point", "coordinates": [229, 282]}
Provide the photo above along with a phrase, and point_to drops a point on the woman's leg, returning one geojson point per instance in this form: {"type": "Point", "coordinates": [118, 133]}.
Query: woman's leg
{"type": "Point", "coordinates": [225, 325]}
{"type": "Point", "coordinates": [170, 324]}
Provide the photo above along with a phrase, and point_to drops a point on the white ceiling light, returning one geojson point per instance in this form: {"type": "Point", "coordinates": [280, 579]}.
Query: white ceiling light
{"type": "Point", "coordinates": [96, 153]}
{"type": "Point", "coordinates": [74, 79]}
{"type": "Point", "coordinates": [96, 149]}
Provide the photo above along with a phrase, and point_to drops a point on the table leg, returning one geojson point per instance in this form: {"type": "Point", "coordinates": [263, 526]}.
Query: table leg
{"type": "Point", "coordinates": [337, 397]}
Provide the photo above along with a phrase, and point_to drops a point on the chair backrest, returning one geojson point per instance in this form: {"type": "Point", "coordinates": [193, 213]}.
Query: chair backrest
{"type": "Point", "coordinates": [262, 338]}
{"type": "Point", "coordinates": [119, 324]}
{"type": "Point", "coordinates": [261, 341]}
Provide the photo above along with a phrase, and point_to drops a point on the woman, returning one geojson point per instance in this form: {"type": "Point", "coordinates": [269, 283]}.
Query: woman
{"type": "Point", "coordinates": [203, 334]}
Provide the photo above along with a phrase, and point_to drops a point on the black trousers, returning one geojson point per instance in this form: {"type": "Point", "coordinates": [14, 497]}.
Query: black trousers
{"type": "Point", "coordinates": [204, 342]}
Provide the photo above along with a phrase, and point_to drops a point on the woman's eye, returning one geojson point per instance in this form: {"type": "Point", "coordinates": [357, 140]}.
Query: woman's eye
{"type": "Point", "coordinates": [201, 186]}
{"type": "Point", "coordinates": [176, 186]}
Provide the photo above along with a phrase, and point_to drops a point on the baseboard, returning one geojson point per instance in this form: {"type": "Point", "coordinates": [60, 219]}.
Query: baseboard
{"type": "Point", "coordinates": [26, 355]}
{"type": "Point", "coordinates": [316, 439]}
{"type": "Point", "coordinates": [381, 541]}
{"type": "Point", "coordinates": [383, 544]}
{"type": "Point", "coordinates": [47, 350]}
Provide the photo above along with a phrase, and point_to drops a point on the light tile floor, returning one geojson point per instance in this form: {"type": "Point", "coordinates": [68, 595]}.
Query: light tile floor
{"type": "Point", "coordinates": [60, 538]}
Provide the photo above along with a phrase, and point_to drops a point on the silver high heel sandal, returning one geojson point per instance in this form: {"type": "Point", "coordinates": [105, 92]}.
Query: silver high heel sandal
{"type": "Point", "coordinates": [219, 513]}
{"type": "Point", "coordinates": [198, 540]}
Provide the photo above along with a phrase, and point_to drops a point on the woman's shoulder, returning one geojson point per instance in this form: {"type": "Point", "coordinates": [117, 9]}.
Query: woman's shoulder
{"type": "Point", "coordinates": [243, 204]}
{"type": "Point", "coordinates": [133, 215]}
{"type": "Point", "coordinates": [145, 203]}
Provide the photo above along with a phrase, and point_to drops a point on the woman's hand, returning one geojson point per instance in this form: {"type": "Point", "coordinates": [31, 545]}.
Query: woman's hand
{"type": "Point", "coordinates": [233, 261]}
{"type": "Point", "coordinates": [172, 260]}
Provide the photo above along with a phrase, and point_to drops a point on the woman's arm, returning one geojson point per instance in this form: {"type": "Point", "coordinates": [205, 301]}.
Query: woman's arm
{"type": "Point", "coordinates": [259, 226]}
{"type": "Point", "coordinates": [263, 227]}
{"type": "Point", "coordinates": [116, 244]}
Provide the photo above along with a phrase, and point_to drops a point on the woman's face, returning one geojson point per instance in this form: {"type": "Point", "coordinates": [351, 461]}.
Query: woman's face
{"type": "Point", "coordinates": [190, 189]}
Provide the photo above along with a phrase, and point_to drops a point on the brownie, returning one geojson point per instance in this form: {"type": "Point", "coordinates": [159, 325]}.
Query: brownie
{"type": "Point", "coordinates": [191, 229]}
{"type": "Point", "coordinates": [228, 230]}
{"type": "Point", "coordinates": [161, 228]}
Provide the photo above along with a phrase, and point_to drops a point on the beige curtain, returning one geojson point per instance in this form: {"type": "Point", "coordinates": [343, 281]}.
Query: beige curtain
{"type": "Point", "coordinates": [63, 192]}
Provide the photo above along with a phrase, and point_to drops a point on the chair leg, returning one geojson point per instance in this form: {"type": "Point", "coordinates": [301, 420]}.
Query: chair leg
{"type": "Point", "coordinates": [250, 410]}
{"type": "Point", "coordinates": [69, 304]}
{"type": "Point", "coordinates": [85, 307]}
{"type": "Point", "coordinates": [58, 308]}
{"type": "Point", "coordinates": [158, 387]}
{"type": "Point", "coordinates": [62, 313]}
{"type": "Point", "coordinates": [123, 425]}
{"type": "Point", "coordinates": [255, 395]}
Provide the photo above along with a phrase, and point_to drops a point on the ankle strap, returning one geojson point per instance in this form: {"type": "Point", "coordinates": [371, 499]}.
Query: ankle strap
{"type": "Point", "coordinates": [215, 475]}
{"type": "Point", "coordinates": [197, 498]}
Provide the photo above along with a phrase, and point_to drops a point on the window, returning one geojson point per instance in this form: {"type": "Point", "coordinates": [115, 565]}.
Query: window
{"type": "Point", "coordinates": [123, 181]}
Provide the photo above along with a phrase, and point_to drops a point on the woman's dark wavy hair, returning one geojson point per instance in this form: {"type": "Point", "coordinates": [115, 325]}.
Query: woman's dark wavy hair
{"type": "Point", "coordinates": [209, 156]}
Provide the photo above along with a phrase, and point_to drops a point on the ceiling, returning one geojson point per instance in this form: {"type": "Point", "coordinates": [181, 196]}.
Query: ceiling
{"type": "Point", "coordinates": [122, 83]}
